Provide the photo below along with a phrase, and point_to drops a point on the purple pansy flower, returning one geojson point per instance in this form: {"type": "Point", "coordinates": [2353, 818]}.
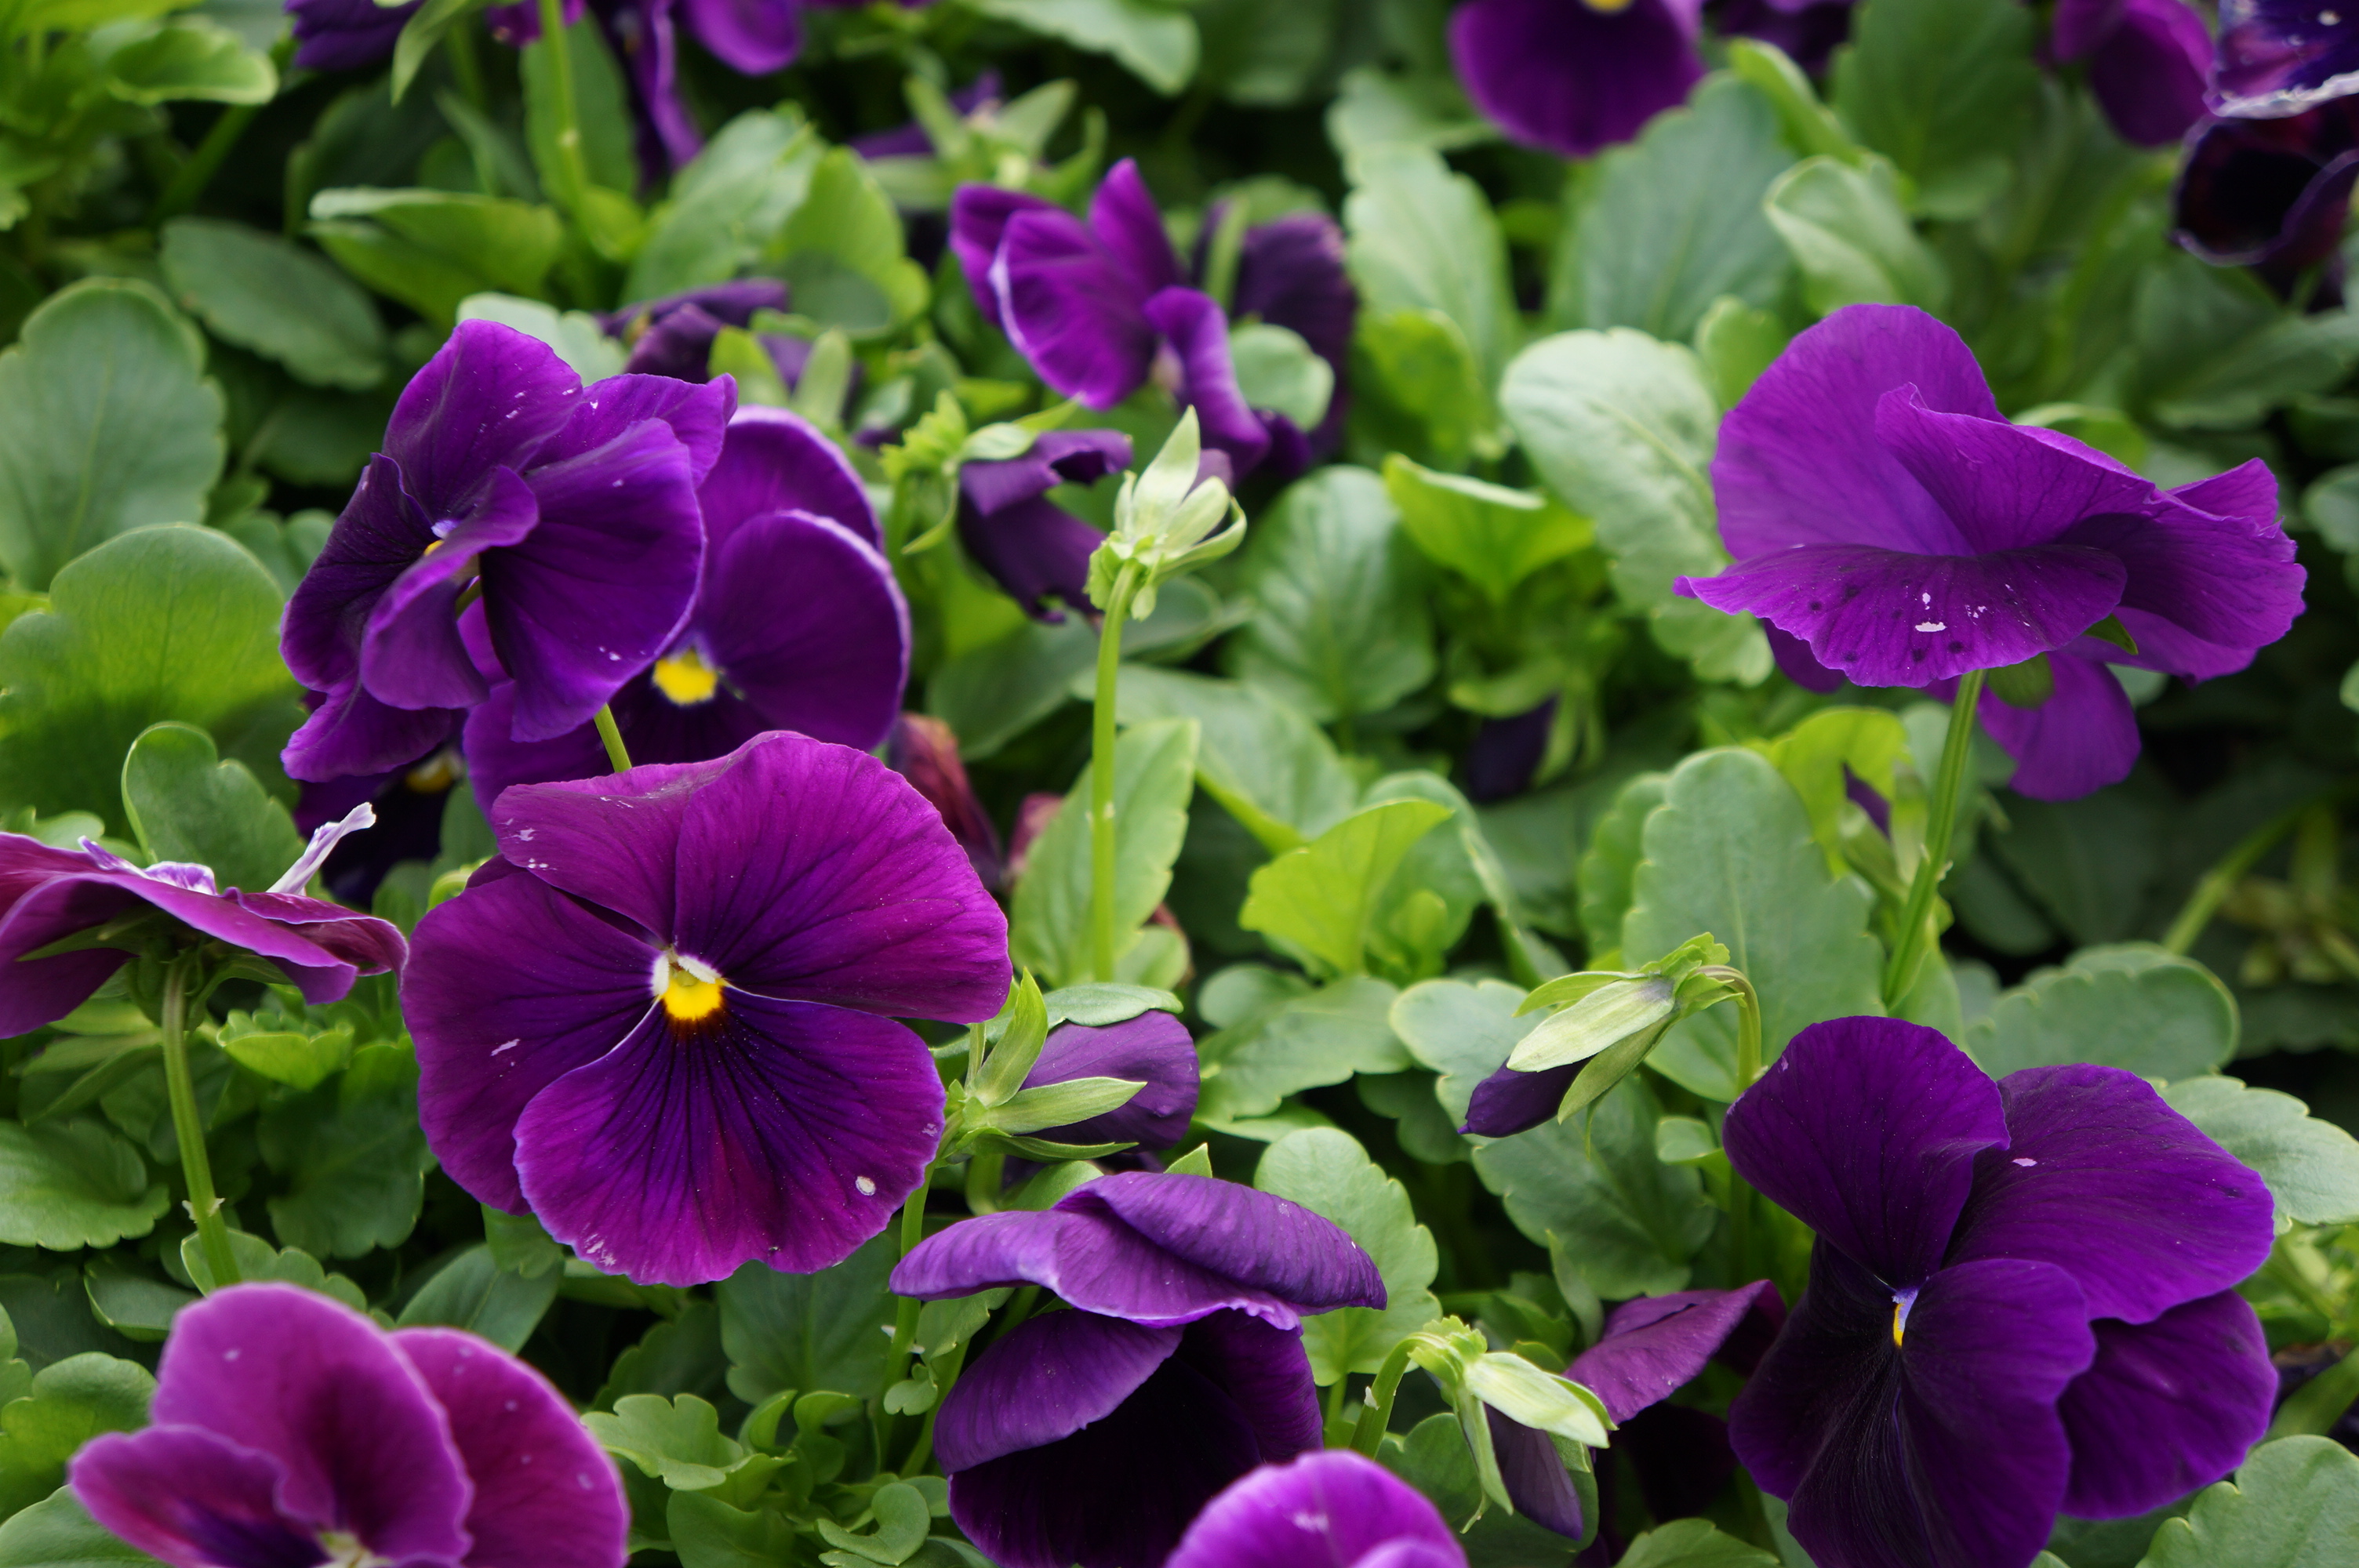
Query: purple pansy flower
{"type": "Point", "coordinates": [1507, 752]}
{"type": "Point", "coordinates": [1095, 1436]}
{"type": "Point", "coordinates": [572, 510]}
{"type": "Point", "coordinates": [2279, 57]}
{"type": "Point", "coordinates": [291, 1430]}
{"type": "Point", "coordinates": [925, 751]}
{"type": "Point", "coordinates": [1898, 530]}
{"type": "Point", "coordinates": [345, 35]}
{"type": "Point", "coordinates": [1808, 30]}
{"type": "Point", "coordinates": [1569, 77]}
{"type": "Point", "coordinates": [1028, 545]}
{"type": "Point", "coordinates": [2149, 63]}
{"type": "Point", "coordinates": [1101, 308]}
{"type": "Point", "coordinates": [48, 894]}
{"type": "Point", "coordinates": [2273, 195]}
{"type": "Point", "coordinates": [664, 1022]}
{"type": "Point", "coordinates": [798, 624]}
{"type": "Point", "coordinates": [1333, 1509]}
{"type": "Point", "coordinates": [1153, 1049]}
{"type": "Point", "coordinates": [673, 336]}
{"type": "Point", "coordinates": [2008, 1277]}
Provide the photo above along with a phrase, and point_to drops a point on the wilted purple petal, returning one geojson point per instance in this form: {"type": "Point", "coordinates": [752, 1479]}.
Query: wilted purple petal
{"type": "Point", "coordinates": [1570, 78]}
{"type": "Point", "coordinates": [1266, 1242]}
{"type": "Point", "coordinates": [352, 732]}
{"type": "Point", "coordinates": [1327, 1509]}
{"type": "Point", "coordinates": [1057, 456]}
{"type": "Point", "coordinates": [1507, 752]}
{"type": "Point", "coordinates": [2168, 1408]}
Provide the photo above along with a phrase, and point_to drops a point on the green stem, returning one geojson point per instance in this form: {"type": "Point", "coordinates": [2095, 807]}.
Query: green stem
{"type": "Point", "coordinates": [204, 1205]}
{"type": "Point", "coordinates": [904, 1320]}
{"type": "Point", "coordinates": [986, 1174]}
{"type": "Point", "coordinates": [1748, 1023]}
{"type": "Point", "coordinates": [1910, 944]}
{"type": "Point", "coordinates": [946, 1373]}
{"type": "Point", "coordinates": [1376, 1411]}
{"type": "Point", "coordinates": [1102, 864]}
{"type": "Point", "coordinates": [189, 182]}
{"type": "Point", "coordinates": [572, 172]}
{"type": "Point", "coordinates": [2314, 1407]}
{"type": "Point", "coordinates": [2238, 864]}
{"type": "Point", "coordinates": [619, 754]}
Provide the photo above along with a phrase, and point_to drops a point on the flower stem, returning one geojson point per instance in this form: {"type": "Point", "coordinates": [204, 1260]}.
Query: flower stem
{"type": "Point", "coordinates": [1102, 865]}
{"type": "Point", "coordinates": [1748, 1023]}
{"type": "Point", "coordinates": [574, 174]}
{"type": "Point", "coordinates": [904, 1320]}
{"type": "Point", "coordinates": [204, 1205]}
{"type": "Point", "coordinates": [2234, 867]}
{"type": "Point", "coordinates": [616, 752]}
{"type": "Point", "coordinates": [1377, 1410]}
{"type": "Point", "coordinates": [1910, 944]}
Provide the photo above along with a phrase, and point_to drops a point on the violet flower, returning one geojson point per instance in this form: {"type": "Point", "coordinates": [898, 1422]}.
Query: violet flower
{"type": "Point", "coordinates": [1093, 1436]}
{"type": "Point", "coordinates": [2279, 57]}
{"type": "Point", "coordinates": [1569, 77]}
{"type": "Point", "coordinates": [408, 802]}
{"type": "Point", "coordinates": [1888, 519]}
{"type": "Point", "coordinates": [1806, 30]}
{"type": "Point", "coordinates": [1032, 547]}
{"type": "Point", "coordinates": [48, 894]}
{"type": "Point", "coordinates": [673, 335]}
{"type": "Point", "coordinates": [1153, 1049]}
{"type": "Point", "coordinates": [1101, 308]}
{"type": "Point", "coordinates": [572, 510]}
{"type": "Point", "coordinates": [289, 1429]}
{"type": "Point", "coordinates": [1330, 1509]}
{"type": "Point", "coordinates": [2273, 195]}
{"type": "Point", "coordinates": [798, 624]}
{"type": "Point", "coordinates": [2149, 63]}
{"type": "Point", "coordinates": [664, 1021]}
{"type": "Point", "coordinates": [2008, 1277]}
{"type": "Point", "coordinates": [345, 35]}
{"type": "Point", "coordinates": [925, 751]}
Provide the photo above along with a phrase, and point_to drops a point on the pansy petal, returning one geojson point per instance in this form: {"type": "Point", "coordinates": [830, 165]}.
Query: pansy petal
{"type": "Point", "coordinates": [191, 1498]}
{"type": "Point", "coordinates": [1128, 223]}
{"type": "Point", "coordinates": [2080, 26]}
{"type": "Point", "coordinates": [859, 897]}
{"type": "Point", "coordinates": [2084, 737]}
{"type": "Point", "coordinates": [1036, 551]}
{"type": "Point", "coordinates": [1884, 618]}
{"type": "Point", "coordinates": [511, 985]}
{"type": "Point", "coordinates": [2005, 487]}
{"type": "Point", "coordinates": [1014, 1247]}
{"type": "Point", "coordinates": [61, 905]}
{"type": "Point", "coordinates": [1654, 1345]}
{"type": "Point", "coordinates": [1538, 1483]}
{"type": "Point", "coordinates": [1045, 1379]}
{"type": "Point", "coordinates": [2230, 580]}
{"type": "Point", "coordinates": [345, 35]}
{"type": "Point", "coordinates": [752, 37]}
{"type": "Point", "coordinates": [1290, 274]}
{"type": "Point", "coordinates": [776, 461]}
{"type": "Point", "coordinates": [411, 652]}
{"type": "Point", "coordinates": [1071, 308]}
{"type": "Point", "coordinates": [545, 1491]}
{"type": "Point", "coordinates": [1510, 1101]}
{"type": "Point", "coordinates": [1057, 456]}
{"type": "Point", "coordinates": [1571, 79]}
{"type": "Point", "coordinates": [2168, 1408]}
{"type": "Point", "coordinates": [2102, 1179]}
{"type": "Point", "coordinates": [352, 732]}
{"type": "Point", "coordinates": [1798, 664]}
{"type": "Point", "coordinates": [697, 412]}
{"type": "Point", "coordinates": [781, 1133]}
{"type": "Point", "coordinates": [1866, 1130]}
{"type": "Point", "coordinates": [2271, 194]}
{"type": "Point", "coordinates": [1798, 462]}
{"type": "Point", "coordinates": [1199, 333]}
{"type": "Point", "coordinates": [47, 895]}
{"type": "Point", "coordinates": [613, 841]}
{"type": "Point", "coordinates": [833, 668]}
{"type": "Point", "coordinates": [1154, 1050]}
{"type": "Point", "coordinates": [380, 534]}
{"type": "Point", "coordinates": [979, 218]}
{"type": "Point", "coordinates": [1264, 1369]}
{"type": "Point", "coordinates": [489, 396]}
{"type": "Point", "coordinates": [2149, 75]}
{"type": "Point", "coordinates": [308, 1382]}
{"type": "Point", "coordinates": [1328, 1509]}
{"type": "Point", "coordinates": [2279, 55]}
{"type": "Point", "coordinates": [1252, 1237]}
{"type": "Point", "coordinates": [372, 945]}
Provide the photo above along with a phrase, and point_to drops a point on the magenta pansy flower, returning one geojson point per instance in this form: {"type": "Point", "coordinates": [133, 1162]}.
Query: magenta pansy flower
{"type": "Point", "coordinates": [1330, 1509]}
{"type": "Point", "coordinates": [2280, 57]}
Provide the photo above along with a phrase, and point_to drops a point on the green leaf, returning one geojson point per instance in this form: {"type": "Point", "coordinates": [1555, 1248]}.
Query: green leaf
{"type": "Point", "coordinates": [135, 1305]}
{"type": "Point", "coordinates": [1339, 626]}
{"type": "Point", "coordinates": [1375, 109]}
{"type": "Point", "coordinates": [992, 694]}
{"type": "Point", "coordinates": [2134, 1007]}
{"type": "Point", "coordinates": [107, 424]}
{"type": "Point", "coordinates": [1611, 862]}
{"type": "Point", "coordinates": [576, 335]}
{"type": "Point", "coordinates": [1296, 1042]}
{"type": "Point", "coordinates": [60, 1533]}
{"type": "Point", "coordinates": [1730, 852]}
{"type": "Point", "coordinates": [71, 1402]}
{"type": "Point", "coordinates": [1821, 755]}
{"type": "Point", "coordinates": [1693, 1543]}
{"type": "Point", "coordinates": [1494, 536]}
{"type": "Point", "coordinates": [1629, 1221]}
{"type": "Point", "coordinates": [602, 113]}
{"type": "Point", "coordinates": [1268, 766]}
{"type": "Point", "coordinates": [69, 1184]}
{"type": "Point", "coordinates": [191, 60]}
{"type": "Point", "coordinates": [2311, 1167]}
{"type": "Point", "coordinates": [1157, 44]}
{"type": "Point", "coordinates": [258, 1259]}
{"type": "Point", "coordinates": [1320, 900]}
{"type": "Point", "coordinates": [185, 803]}
{"type": "Point", "coordinates": [473, 1292]}
{"type": "Point", "coordinates": [1327, 1173]}
{"type": "Point", "coordinates": [1852, 238]}
{"type": "Point", "coordinates": [902, 1518]}
{"type": "Point", "coordinates": [431, 249]}
{"type": "Point", "coordinates": [421, 33]}
{"type": "Point", "coordinates": [1417, 388]}
{"type": "Point", "coordinates": [1278, 370]}
{"type": "Point", "coordinates": [678, 1441]}
{"type": "Point", "coordinates": [1153, 768]}
{"type": "Point", "coordinates": [843, 251]}
{"type": "Point", "coordinates": [1736, 344]}
{"type": "Point", "coordinates": [265, 293]}
{"type": "Point", "coordinates": [727, 205]}
{"type": "Point", "coordinates": [2213, 349]}
{"type": "Point", "coordinates": [1423, 238]}
{"type": "Point", "coordinates": [1808, 125]}
{"type": "Point", "coordinates": [1622, 428]}
{"type": "Point", "coordinates": [1464, 1032]}
{"type": "Point", "coordinates": [2294, 1504]}
{"type": "Point", "coordinates": [809, 1331]}
{"type": "Point", "coordinates": [707, 1533]}
{"type": "Point", "coordinates": [1944, 89]}
{"type": "Point", "coordinates": [353, 1155]}
{"type": "Point", "coordinates": [286, 1050]}
{"type": "Point", "coordinates": [1673, 221]}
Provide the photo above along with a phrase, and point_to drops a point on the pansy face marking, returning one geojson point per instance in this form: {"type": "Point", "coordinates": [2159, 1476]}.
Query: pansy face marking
{"type": "Point", "coordinates": [690, 991]}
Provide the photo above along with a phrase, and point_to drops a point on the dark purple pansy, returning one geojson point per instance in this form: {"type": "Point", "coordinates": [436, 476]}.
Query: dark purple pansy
{"type": "Point", "coordinates": [1028, 545]}
{"type": "Point", "coordinates": [408, 802]}
{"type": "Point", "coordinates": [664, 1022]}
{"type": "Point", "coordinates": [345, 35]}
{"type": "Point", "coordinates": [571, 510]}
{"type": "Point", "coordinates": [1888, 519]}
{"type": "Point", "coordinates": [673, 336]}
{"type": "Point", "coordinates": [1334, 1509]}
{"type": "Point", "coordinates": [291, 1429]}
{"type": "Point", "coordinates": [1507, 752]}
{"type": "Point", "coordinates": [2273, 195]}
{"type": "Point", "coordinates": [1093, 1436]}
{"type": "Point", "coordinates": [1808, 30]}
{"type": "Point", "coordinates": [798, 624]}
{"type": "Point", "coordinates": [48, 894]}
{"type": "Point", "coordinates": [2149, 63]}
{"type": "Point", "coordinates": [2279, 57]}
{"type": "Point", "coordinates": [1569, 77]}
{"type": "Point", "coordinates": [1153, 1049]}
{"type": "Point", "coordinates": [2009, 1277]}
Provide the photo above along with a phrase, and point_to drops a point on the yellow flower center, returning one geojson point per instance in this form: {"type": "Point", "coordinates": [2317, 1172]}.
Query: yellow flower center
{"type": "Point", "coordinates": [1899, 1321]}
{"type": "Point", "coordinates": [685, 679]}
{"type": "Point", "coordinates": [1607, 6]}
{"type": "Point", "coordinates": [689, 991]}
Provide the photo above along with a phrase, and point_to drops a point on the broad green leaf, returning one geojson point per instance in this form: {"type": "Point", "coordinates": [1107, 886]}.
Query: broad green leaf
{"type": "Point", "coordinates": [1327, 1173]}
{"type": "Point", "coordinates": [1730, 852]}
{"type": "Point", "coordinates": [1373, 108]}
{"type": "Point", "coordinates": [1944, 89]}
{"type": "Point", "coordinates": [473, 1292]}
{"type": "Point", "coordinates": [1268, 766]}
{"type": "Point", "coordinates": [901, 1521]}
{"type": "Point", "coordinates": [1464, 1032]}
{"type": "Point", "coordinates": [707, 1533]}
{"type": "Point", "coordinates": [431, 249]}
{"type": "Point", "coordinates": [1321, 900]}
{"type": "Point", "coordinates": [1425, 909]}
{"type": "Point", "coordinates": [1423, 238]}
{"type": "Point", "coordinates": [1852, 238]}
{"type": "Point", "coordinates": [69, 1184]}
{"type": "Point", "coordinates": [71, 1402]}
{"type": "Point", "coordinates": [286, 1050]}
{"type": "Point", "coordinates": [726, 205]}
{"type": "Point", "coordinates": [1278, 370]}
{"type": "Point", "coordinates": [353, 1157]}
{"type": "Point", "coordinates": [2086, 863]}
{"type": "Point", "coordinates": [603, 111]}
{"type": "Point", "coordinates": [185, 803]}
{"type": "Point", "coordinates": [1673, 221]}
{"type": "Point", "coordinates": [265, 293]}
{"type": "Point", "coordinates": [1629, 1222]}
{"type": "Point", "coordinates": [1622, 427]}
{"type": "Point", "coordinates": [191, 60]}
{"type": "Point", "coordinates": [1611, 862]}
{"type": "Point", "coordinates": [1158, 43]}
{"type": "Point", "coordinates": [1820, 755]}
{"type": "Point", "coordinates": [1808, 126]}
{"type": "Point", "coordinates": [136, 1306]}
{"type": "Point", "coordinates": [1488, 534]}
{"type": "Point", "coordinates": [576, 336]}
{"type": "Point", "coordinates": [1340, 627]}
{"type": "Point", "coordinates": [1736, 343]}
{"type": "Point", "coordinates": [993, 694]}
{"type": "Point", "coordinates": [2213, 349]}
{"type": "Point", "coordinates": [1154, 774]}
{"type": "Point", "coordinates": [258, 1259]}
{"type": "Point", "coordinates": [1297, 1043]}
{"type": "Point", "coordinates": [1416, 388]}
{"type": "Point", "coordinates": [107, 424]}
{"type": "Point", "coordinates": [1693, 1543]}
{"type": "Point", "coordinates": [59, 1532]}
{"type": "Point", "coordinates": [809, 1331]}
{"type": "Point", "coordinates": [2311, 1167]}
{"type": "Point", "coordinates": [842, 252]}
{"type": "Point", "coordinates": [2134, 1007]}
{"type": "Point", "coordinates": [2293, 1504]}
{"type": "Point", "coordinates": [678, 1441]}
